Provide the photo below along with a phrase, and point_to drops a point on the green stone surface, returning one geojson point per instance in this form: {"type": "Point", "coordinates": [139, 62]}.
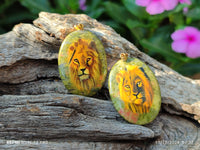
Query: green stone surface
{"type": "Point", "coordinates": [82, 63]}
{"type": "Point", "coordinates": [134, 91]}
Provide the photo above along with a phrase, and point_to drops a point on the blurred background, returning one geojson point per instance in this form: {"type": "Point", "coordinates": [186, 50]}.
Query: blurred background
{"type": "Point", "coordinates": [150, 33]}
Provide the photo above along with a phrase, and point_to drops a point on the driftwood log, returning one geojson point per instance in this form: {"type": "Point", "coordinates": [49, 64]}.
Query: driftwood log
{"type": "Point", "coordinates": [36, 112]}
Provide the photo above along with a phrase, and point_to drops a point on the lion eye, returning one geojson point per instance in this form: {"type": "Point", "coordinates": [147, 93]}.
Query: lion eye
{"type": "Point", "coordinates": [88, 59]}
{"type": "Point", "coordinates": [127, 86]}
{"type": "Point", "coordinates": [76, 61]}
{"type": "Point", "coordinates": [139, 84]}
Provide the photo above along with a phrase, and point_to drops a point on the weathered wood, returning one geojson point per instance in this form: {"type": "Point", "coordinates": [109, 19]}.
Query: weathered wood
{"type": "Point", "coordinates": [50, 117]}
{"type": "Point", "coordinates": [41, 42]}
{"type": "Point", "coordinates": [28, 67]}
{"type": "Point", "coordinates": [29, 70]}
{"type": "Point", "coordinates": [42, 86]}
{"type": "Point", "coordinates": [54, 116]}
{"type": "Point", "coordinates": [177, 133]}
{"type": "Point", "coordinates": [68, 145]}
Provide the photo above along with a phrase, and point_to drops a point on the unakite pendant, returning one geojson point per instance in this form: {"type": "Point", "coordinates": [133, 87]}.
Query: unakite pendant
{"type": "Point", "coordinates": [134, 90]}
{"type": "Point", "coordinates": [82, 62]}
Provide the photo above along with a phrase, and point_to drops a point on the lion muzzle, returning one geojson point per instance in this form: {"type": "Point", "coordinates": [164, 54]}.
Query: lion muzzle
{"type": "Point", "coordinates": [83, 74]}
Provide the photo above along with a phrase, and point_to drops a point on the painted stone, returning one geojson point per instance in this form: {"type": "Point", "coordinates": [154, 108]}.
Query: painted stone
{"type": "Point", "coordinates": [82, 63]}
{"type": "Point", "coordinates": [134, 90]}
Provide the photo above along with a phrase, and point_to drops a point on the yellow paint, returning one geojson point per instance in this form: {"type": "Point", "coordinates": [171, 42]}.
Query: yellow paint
{"type": "Point", "coordinates": [135, 89]}
{"type": "Point", "coordinates": [79, 27]}
{"type": "Point", "coordinates": [84, 65]}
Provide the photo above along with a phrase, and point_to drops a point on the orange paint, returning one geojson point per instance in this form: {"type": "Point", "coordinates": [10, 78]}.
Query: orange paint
{"type": "Point", "coordinates": [84, 65]}
{"type": "Point", "coordinates": [135, 89]}
{"type": "Point", "coordinates": [129, 115]}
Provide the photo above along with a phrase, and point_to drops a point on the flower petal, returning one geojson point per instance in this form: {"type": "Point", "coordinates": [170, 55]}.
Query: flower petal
{"type": "Point", "coordinates": [179, 35]}
{"type": "Point", "coordinates": [194, 32]}
{"type": "Point", "coordinates": [82, 5]}
{"type": "Point", "coordinates": [154, 8]}
{"type": "Point", "coordinates": [191, 30]}
{"type": "Point", "coordinates": [169, 4]}
{"type": "Point", "coordinates": [185, 1]}
{"type": "Point", "coordinates": [185, 10]}
{"type": "Point", "coordinates": [142, 2]}
{"type": "Point", "coordinates": [193, 50]}
{"type": "Point", "coordinates": [180, 46]}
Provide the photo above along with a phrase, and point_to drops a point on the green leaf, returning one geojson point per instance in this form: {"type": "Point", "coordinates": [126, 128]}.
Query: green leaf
{"type": "Point", "coordinates": [164, 51]}
{"type": "Point", "coordinates": [16, 17]}
{"type": "Point", "coordinates": [161, 16]}
{"type": "Point", "coordinates": [36, 6]}
{"type": "Point", "coordinates": [197, 2]}
{"type": "Point", "coordinates": [95, 9]}
{"type": "Point", "coordinates": [188, 69]}
{"type": "Point", "coordinates": [2, 30]}
{"type": "Point", "coordinates": [61, 6]}
{"type": "Point", "coordinates": [179, 8]}
{"type": "Point", "coordinates": [136, 10]}
{"type": "Point", "coordinates": [194, 13]}
{"type": "Point", "coordinates": [135, 27]}
{"type": "Point", "coordinates": [117, 12]}
{"type": "Point", "coordinates": [6, 5]}
{"type": "Point", "coordinates": [116, 26]}
{"type": "Point", "coordinates": [95, 4]}
{"type": "Point", "coordinates": [95, 14]}
{"type": "Point", "coordinates": [160, 43]}
{"type": "Point", "coordinates": [177, 18]}
{"type": "Point", "coordinates": [66, 6]}
{"type": "Point", "coordinates": [73, 4]}
{"type": "Point", "coordinates": [196, 60]}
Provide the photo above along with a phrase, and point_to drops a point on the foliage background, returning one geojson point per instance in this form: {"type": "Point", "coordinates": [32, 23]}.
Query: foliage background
{"type": "Point", "coordinates": [151, 34]}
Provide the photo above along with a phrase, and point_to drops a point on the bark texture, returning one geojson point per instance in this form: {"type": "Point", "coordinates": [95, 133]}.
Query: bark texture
{"type": "Point", "coordinates": [35, 106]}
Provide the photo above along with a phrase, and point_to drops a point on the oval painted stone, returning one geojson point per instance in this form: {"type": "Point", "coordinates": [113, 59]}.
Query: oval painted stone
{"type": "Point", "coordinates": [82, 63]}
{"type": "Point", "coordinates": [134, 91]}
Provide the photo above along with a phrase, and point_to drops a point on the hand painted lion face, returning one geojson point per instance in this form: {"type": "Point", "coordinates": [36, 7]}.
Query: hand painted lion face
{"type": "Point", "coordinates": [84, 65]}
{"type": "Point", "coordinates": [135, 89]}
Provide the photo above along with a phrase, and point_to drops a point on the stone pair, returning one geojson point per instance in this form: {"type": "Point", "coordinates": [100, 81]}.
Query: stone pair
{"type": "Point", "coordinates": [133, 87]}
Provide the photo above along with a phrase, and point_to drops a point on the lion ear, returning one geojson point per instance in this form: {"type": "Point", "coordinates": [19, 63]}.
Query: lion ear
{"type": "Point", "coordinates": [71, 48]}
{"type": "Point", "coordinates": [92, 46]}
{"type": "Point", "coordinates": [119, 77]}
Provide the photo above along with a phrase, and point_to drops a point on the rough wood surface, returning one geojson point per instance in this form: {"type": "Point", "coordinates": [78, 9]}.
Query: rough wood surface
{"type": "Point", "coordinates": [65, 116]}
{"type": "Point", "coordinates": [59, 117]}
{"type": "Point", "coordinates": [35, 105]}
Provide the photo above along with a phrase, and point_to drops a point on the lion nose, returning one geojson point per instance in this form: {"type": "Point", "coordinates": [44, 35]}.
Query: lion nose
{"type": "Point", "coordinates": [136, 94]}
{"type": "Point", "coordinates": [82, 70]}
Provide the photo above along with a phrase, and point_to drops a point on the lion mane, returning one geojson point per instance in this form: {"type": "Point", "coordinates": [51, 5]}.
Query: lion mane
{"type": "Point", "coordinates": [135, 89]}
{"type": "Point", "coordinates": [84, 66]}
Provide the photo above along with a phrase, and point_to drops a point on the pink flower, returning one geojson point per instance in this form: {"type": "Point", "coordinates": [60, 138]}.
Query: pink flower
{"type": "Point", "coordinates": [187, 41]}
{"type": "Point", "coordinates": [185, 1]}
{"type": "Point", "coordinates": [185, 10]}
{"type": "Point", "coordinates": [82, 5]}
{"type": "Point", "coordinates": [157, 6]}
